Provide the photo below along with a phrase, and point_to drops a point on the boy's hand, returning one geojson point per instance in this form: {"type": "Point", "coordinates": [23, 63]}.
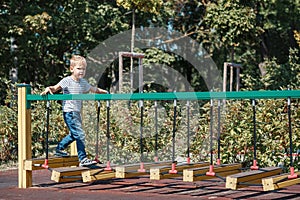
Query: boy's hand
{"type": "Point", "coordinates": [46, 91]}
{"type": "Point", "coordinates": [101, 91]}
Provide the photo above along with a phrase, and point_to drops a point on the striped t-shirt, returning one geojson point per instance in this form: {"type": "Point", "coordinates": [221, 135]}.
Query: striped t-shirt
{"type": "Point", "coordinates": [70, 86]}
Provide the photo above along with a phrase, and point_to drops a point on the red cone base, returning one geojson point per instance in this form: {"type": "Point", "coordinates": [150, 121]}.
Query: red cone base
{"type": "Point", "coordinates": [107, 168]}
{"type": "Point", "coordinates": [188, 160]}
{"type": "Point", "coordinates": [254, 166]}
{"type": "Point", "coordinates": [211, 171]}
{"type": "Point", "coordinates": [142, 169]}
{"type": "Point", "coordinates": [173, 170]}
{"type": "Point", "coordinates": [292, 175]}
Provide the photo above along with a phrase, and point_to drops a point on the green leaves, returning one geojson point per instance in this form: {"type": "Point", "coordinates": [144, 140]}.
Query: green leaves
{"type": "Point", "coordinates": [230, 23]}
{"type": "Point", "coordinates": [151, 6]}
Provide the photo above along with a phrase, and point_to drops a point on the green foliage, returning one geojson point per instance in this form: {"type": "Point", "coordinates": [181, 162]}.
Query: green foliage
{"type": "Point", "coordinates": [237, 133]}
{"type": "Point", "coordinates": [276, 76]}
{"type": "Point", "coordinates": [9, 127]}
{"type": "Point", "coordinates": [152, 6]}
{"type": "Point", "coordinates": [230, 22]}
{"type": "Point", "coordinates": [46, 33]}
{"type": "Point", "coordinates": [8, 133]}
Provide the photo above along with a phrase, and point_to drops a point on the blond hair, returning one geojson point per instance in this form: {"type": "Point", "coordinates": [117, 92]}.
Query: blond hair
{"type": "Point", "coordinates": [77, 60]}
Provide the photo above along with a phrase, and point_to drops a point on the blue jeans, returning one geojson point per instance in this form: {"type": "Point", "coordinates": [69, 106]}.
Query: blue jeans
{"type": "Point", "coordinates": [76, 133]}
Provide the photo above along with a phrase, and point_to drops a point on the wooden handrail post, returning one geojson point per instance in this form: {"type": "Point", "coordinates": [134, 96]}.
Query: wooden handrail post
{"type": "Point", "coordinates": [24, 136]}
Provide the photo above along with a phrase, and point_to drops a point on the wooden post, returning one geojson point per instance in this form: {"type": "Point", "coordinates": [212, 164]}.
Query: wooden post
{"type": "Point", "coordinates": [231, 78]}
{"type": "Point", "coordinates": [237, 68]}
{"type": "Point", "coordinates": [141, 81]}
{"type": "Point", "coordinates": [132, 55]}
{"type": "Point", "coordinates": [73, 149]}
{"type": "Point", "coordinates": [24, 136]}
{"type": "Point", "coordinates": [120, 72]}
{"type": "Point", "coordinates": [224, 77]}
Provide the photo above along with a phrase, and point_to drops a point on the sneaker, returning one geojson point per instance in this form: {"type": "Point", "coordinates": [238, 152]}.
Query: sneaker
{"type": "Point", "coordinates": [87, 162]}
{"type": "Point", "coordinates": [61, 153]}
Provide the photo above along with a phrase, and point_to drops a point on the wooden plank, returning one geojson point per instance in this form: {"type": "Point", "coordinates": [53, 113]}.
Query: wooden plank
{"type": "Point", "coordinates": [197, 174]}
{"type": "Point", "coordinates": [53, 162]}
{"type": "Point", "coordinates": [66, 174]}
{"type": "Point", "coordinates": [279, 181]}
{"type": "Point", "coordinates": [131, 170]}
{"type": "Point", "coordinates": [239, 180]}
{"type": "Point", "coordinates": [162, 172]}
{"type": "Point", "coordinates": [130, 174]}
{"type": "Point", "coordinates": [97, 174]}
{"type": "Point", "coordinates": [136, 166]}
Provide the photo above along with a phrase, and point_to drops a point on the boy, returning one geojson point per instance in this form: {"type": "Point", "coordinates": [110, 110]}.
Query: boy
{"type": "Point", "coordinates": [74, 84]}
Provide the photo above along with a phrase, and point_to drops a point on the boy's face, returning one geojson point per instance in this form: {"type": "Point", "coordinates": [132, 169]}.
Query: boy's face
{"type": "Point", "coordinates": [78, 71]}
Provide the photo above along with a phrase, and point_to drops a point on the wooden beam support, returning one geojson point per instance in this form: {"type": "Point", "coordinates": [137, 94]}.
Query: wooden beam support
{"type": "Point", "coordinates": [67, 174]}
{"type": "Point", "coordinates": [162, 172]}
{"type": "Point", "coordinates": [97, 174]}
{"type": "Point", "coordinates": [131, 170]}
{"type": "Point", "coordinates": [198, 174]}
{"type": "Point", "coordinates": [24, 136]}
{"type": "Point", "coordinates": [244, 179]}
{"type": "Point", "coordinates": [53, 162]}
{"type": "Point", "coordinates": [279, 181]}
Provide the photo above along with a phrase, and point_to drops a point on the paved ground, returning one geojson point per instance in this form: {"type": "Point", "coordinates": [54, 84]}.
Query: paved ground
{"type": "Point", "coordinates": [131, 189]}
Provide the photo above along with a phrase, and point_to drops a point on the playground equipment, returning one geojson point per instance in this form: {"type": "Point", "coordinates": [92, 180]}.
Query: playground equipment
{"type": "Point", "coordinates": [237, 68]}
{"type": "Point", "coordinates": [140, 57]}
{"type": "Point", "coordinates": [24, 125]}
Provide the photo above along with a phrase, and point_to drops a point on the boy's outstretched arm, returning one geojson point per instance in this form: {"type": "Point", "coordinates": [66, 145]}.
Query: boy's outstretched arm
{"type": "Point", "coordinates": [51, 89]}
{"type": "Point", "coordinates": [98, 90]}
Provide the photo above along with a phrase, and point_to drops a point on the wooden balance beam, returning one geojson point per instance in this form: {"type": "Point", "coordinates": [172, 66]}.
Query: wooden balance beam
{"type": "Point", "coordinates": [279, 181]}
{"type": "Point", "coordinates": [162, 172]}
{"type": "Point", "coordinates": [198, 174]}
{"type": "Point", "coordinates": [53, 162]}
{"type": "Point", "coordinates": [69, 174]}
{"type": "Point", "coordinates": [247, 178]}
{"type": "Point", "coordinates": [97, 174]}
{"type": "Point", "coordinates": [131, 170]}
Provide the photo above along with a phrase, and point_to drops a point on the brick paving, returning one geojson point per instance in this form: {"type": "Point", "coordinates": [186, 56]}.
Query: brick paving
{"type": "Point", "coordinates": [132, 189]}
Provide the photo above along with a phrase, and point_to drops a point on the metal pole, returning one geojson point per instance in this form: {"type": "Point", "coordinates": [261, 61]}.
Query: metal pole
{"type": "Point", "coordinates": [254, 166]}
{"type": "Point", "coordinates": [156, 132]}
{"type": "Point", "coordinates": [108, 167]}
{"type": "Point", "coordinates": [292, 171]}
{"type": "Point", "coordinates": [188, 132]}
{"type": "Point", "coordinates": [219, 132]}
{"type": "Point", "coordinates": [211, 167]}
{"type": "Point", "coordinates": [142, 169]}
{"type": "Point", "coordinates": [97, 132]}
{"type": "Point", "coordinates": [173, 170]}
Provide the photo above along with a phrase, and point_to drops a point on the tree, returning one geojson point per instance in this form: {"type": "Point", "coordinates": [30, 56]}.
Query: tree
{"type": "Point", "coordinates": [144, 6]}
{"type": "Point", "coordinates": [46, 33]}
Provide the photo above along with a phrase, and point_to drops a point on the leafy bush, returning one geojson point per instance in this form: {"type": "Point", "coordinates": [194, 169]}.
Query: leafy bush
{"type": "Point", "coordinates": [237, 133]}
{"type": "Point", "coordinates": [9, 127]}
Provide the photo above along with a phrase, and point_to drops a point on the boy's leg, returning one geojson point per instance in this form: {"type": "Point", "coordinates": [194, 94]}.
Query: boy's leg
{"type": "Point", "coordinates": [74, 123]}
{"type": "Point", "coordinates": [63, 144]}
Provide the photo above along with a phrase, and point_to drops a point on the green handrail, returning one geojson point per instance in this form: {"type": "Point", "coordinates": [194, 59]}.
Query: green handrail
{"type": "Point", "coordinates": [264, 94]}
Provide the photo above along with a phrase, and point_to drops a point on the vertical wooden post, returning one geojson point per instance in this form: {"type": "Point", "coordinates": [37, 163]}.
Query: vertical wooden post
{"type": "Point", "coordinates": [73, 149]}
{"type": "Point", "coordinates": [224, 77]}
{"type": "Point", "coordinates": [24, 136]}
{"type": "Point", "coordinates": [238, 69]}
{"type": "Point", "coordinates": [120, 71]}
{"type": "Point", "coordinates": [231, 78]}
{"type": "Point", "coordinates": [238, 78]}
{"type": "Point", "coordinates": [141, 81]}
